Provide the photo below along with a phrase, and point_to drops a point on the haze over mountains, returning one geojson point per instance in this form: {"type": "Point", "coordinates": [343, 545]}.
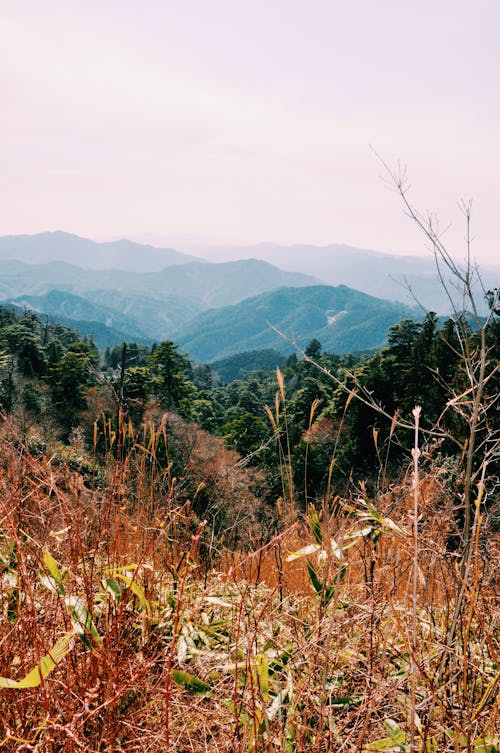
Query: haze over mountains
{"type": "Point", "coordinates": [88, 254]}
{"type": "Point", "coordinates": [122, 290]}
{"type": "Point", "coordinates": [384, 275]}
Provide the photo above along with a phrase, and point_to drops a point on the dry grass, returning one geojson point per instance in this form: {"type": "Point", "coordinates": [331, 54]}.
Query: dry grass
{"type": "Point", "coordinates": [162, 654]}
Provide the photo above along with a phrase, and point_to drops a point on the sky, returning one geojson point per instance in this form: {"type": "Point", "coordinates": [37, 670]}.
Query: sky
{"type": "Point", "coordinates": [251, 120]}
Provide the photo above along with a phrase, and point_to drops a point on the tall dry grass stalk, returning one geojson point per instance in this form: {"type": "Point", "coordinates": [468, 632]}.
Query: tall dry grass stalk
{"type": "Point", "coordinates": [413, 702]}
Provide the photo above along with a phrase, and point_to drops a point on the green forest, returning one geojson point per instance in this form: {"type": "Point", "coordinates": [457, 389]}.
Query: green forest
{"type": "Point", "coordinates": [52, 379]}
{"type": "Point", "coordinates": [269, 553]}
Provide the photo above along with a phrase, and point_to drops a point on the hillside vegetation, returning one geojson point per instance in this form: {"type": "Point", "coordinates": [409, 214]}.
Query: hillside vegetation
{"type": "Point", "coordinates": [299, 560]}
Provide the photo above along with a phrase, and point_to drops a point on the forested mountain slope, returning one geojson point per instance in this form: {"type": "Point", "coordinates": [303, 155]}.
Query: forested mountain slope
{"type": "Point", "coordinates": [342, 319]}
{"type": "Point", "coordinates": [147, 306]}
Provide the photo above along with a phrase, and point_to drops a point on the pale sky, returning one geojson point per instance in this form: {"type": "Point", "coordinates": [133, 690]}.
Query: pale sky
{"type": "Point", "coordinates": [250, 119]}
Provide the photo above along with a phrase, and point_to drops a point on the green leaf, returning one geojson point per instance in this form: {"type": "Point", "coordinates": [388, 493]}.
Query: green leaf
{"type": "Point", "coordinates": [395, 741]}
{"type": "Point", "coordinates": [384, 744]}
{"type": "Point", "coordinates": [114, 587]}
{"type": "Point", "coordinates": [191, 683]}
{"type": "Point", "coordinates": [82, 619]}
{"type": "Point", "coordinates": [347, 700]}
{"type": "Point", "coordinates": [53, 569]}
{"type": "Point", "coordinates": [289, 738]}
{"type": "Point", "coordinates": [376, 534]}
{"type": "Point", "coordinates": [46, 665]}
{"type": "Point", "coordinates": [313, 575]}
{"type": "Point", "coordinates": [315, 525]}
{"type": "Point", "coordinates": [395, 732]}
{"type": "Point", "coordinates": [136, 589]}
{"type": "Point", "coordinates": [341, 573]}
{"type": "Point", "coordinates": [263, 674]}
{"type": "Point", "coordinates": [328, 594]}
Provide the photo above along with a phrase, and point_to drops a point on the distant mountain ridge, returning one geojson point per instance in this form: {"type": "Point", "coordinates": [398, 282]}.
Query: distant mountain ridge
{"type": "Point", "coordinates": [208, 284]}
{"type": "Point", "coordinates": [395, 277]}
{"type": "Point", "coordinates": [144, 306]}
{"type": "Point", "coordinates": [41, 248]}
{"type": "Point", "coordinates": [224, 283]}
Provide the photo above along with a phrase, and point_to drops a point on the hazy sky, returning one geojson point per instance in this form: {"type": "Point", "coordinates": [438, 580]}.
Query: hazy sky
{"type": "Point", "coordinates": [249, 119]}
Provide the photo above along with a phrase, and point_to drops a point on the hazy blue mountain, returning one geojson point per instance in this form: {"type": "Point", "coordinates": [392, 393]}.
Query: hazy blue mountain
{"type": "Point", "coordinates": [224, 283]}
{"type": "Point", "coordinates": [164, 270]}
{"type": "Point", "coordinates": [20, 278]}
{"type": "Point", "coordinates": [211, 284]}
{"type": "Point", "coordinates": [382, 274]}
{"type": "Point", "coordinates": [147, 306]}
{"type": "Point", "coordinates": [342, 319]}
{"type": "Point", "coordinates": [83, 252]}
{"type": "Point", "coordinates": [215, 310]}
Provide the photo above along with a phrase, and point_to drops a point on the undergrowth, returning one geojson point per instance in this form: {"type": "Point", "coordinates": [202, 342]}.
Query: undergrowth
{"type": "Point", "coordinates": [339, 633]}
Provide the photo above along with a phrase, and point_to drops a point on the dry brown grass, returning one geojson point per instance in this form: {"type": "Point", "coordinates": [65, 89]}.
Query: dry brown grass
{"type": "Point", "coordinates": [269, 663]}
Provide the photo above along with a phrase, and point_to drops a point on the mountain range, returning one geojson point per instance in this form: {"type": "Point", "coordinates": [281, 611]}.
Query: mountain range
{"type": "Point", "coordinates": [409, 279]}
{"type": "Point", "coordinates": [83, 252]}
{"type": "Point", "coordinates": [122, 290]}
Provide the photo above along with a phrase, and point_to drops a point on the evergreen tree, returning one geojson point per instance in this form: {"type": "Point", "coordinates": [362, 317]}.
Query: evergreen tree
{"type": "Point", "coordinates": [68, 380]}
{"type": "Point", "coordinates": [169, 370]}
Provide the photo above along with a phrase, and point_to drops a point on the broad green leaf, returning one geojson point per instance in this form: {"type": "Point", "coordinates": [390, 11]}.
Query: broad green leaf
{"type": "Point", "coordinates": [82, 619]}
{"type": "Point", "coordinates": [53, 569]}
{"type": "Point", "coordinates": [191, 683]}
{"type": "Point", "coordinates": [386, 744]}
{"type": "Point", "coordinates": [315, 525]}
{"type": "Point", "coordinates": [123, 569]}
{"type": "Point", "coordinates": [136, 589]}
{"type": "Point", "coordinates": [328, 594]}
{"type": "Point", "coordinates": [341, 573]}
{"type": "Point", "coordinates": [393, 729]}
{"type": "Point", "coordinates": [114, 587]}
{"type": "Point", "coordinates": [347, 700]}
{"type": "Point", "coordinates": [46, 665]}
{"type": "Point", "coordinates": [317, 585]}
{"type": "Point", "coordinates": [395, 741]}
{"type": "Point", "coordinates": [263, 674]}
{"type": "Point", "coordinates": [289, 738]}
